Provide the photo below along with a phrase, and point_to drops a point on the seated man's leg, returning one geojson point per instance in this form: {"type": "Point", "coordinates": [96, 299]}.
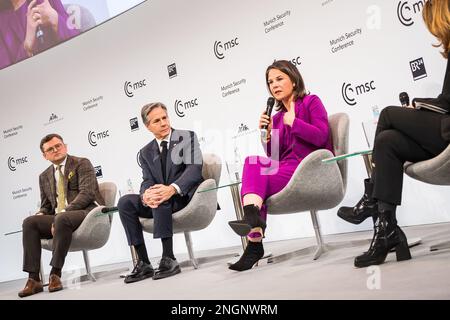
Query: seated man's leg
{"type": "Point", "coordinates": [34, 229]}
{"type": "Point", "coordinates": [64, 226]}
{"type": "Point", "coordinates": [130, 209]}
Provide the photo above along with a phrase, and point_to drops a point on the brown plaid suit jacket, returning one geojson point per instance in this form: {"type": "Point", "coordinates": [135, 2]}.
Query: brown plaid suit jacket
{"type": "Point", "coordinates": [80, 185]}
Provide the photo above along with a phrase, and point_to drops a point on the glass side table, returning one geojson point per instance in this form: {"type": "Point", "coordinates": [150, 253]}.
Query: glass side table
{"type": "Point", "coordinates": [134, 256]}
{"type": "Point", "coordinates": [239, 211]}
{"type": "Point", "coordinates": [236, 195]}
{"type": "Point", "coordinates": [367, 156]}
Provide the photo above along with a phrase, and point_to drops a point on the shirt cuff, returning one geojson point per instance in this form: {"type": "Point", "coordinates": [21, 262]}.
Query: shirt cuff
{"type": "Point", "coordinates": [176, 188]}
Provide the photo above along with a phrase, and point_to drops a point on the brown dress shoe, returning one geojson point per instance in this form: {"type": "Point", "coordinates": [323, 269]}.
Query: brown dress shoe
{"type": "Point", "coordinates": [31, 287]}
{"type": "Point", "coordinates": [54, 283]}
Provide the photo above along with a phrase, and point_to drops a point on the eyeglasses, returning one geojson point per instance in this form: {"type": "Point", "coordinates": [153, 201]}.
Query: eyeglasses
{"type": "Point", "coordinates": [55, 148]}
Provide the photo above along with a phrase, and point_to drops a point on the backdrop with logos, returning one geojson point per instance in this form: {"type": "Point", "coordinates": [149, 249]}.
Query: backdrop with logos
{"type": "Point", "coordinates": [206, 61]}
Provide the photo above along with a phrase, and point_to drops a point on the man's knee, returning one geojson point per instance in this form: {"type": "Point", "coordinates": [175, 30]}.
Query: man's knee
{"type": "Point", "coordinates": [29, 223]}
{"type": "Point", "coordinates": [127, 201]}
{"type": "Point", "coordinates": [62, 220]}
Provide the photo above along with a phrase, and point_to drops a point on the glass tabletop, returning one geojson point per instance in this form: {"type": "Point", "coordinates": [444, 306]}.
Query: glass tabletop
{"type": "Point", "coordinates": [219, 187]}
{"type": "Point", "coordinates": [13, 232]}
{"type": "Point", "coordinates": [347, 155]}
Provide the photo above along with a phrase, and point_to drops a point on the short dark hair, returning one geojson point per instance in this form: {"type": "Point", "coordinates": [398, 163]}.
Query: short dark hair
{"type": "Point", "coordinates": [148, 108]}
{"type": "Point", "coordinates": [47, 138]}
{"type": "Point", "coordinates": [291, 70]}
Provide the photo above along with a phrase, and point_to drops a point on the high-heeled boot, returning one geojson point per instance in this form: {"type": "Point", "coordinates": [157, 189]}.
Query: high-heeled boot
{"type": "Point", "coordinates": [252, 219]}
{"type": "Point", "coordinates": [387, 236]}
{"type": "Point", "coordinates": [252, 253]}
{"type": "Point", "coordinates": [365, 208]}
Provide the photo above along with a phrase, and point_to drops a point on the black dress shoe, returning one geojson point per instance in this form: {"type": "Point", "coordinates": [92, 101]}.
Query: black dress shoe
{"type": "Point", "coordinates": [365, 208]}
{"type": "Point", "coordinates": [140, 272]}
{"type": "Point", "coordinates": [167, 267]}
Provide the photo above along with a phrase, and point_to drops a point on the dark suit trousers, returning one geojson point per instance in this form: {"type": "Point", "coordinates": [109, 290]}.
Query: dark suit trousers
{"type": "Point", "coordinates": [36, 228]}
{"type": "Point", "coordinates": [131, 209]}
{"type": "Point", "coordinates": [403, 134]}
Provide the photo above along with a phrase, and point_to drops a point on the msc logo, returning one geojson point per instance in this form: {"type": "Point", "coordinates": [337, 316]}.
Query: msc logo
{"type": "Point", "coordinates": [406, 11]}
{"type": "Point", "coordinates": [130, 87]}
{"type": "Point", "coordinates": [181, 107]}
{"type": "Point", "coordinates": [13, 162]}
{"type": "Point", "coordinates": [94, 137]}
{"type": "Point", "coordinates": [220, 48]}
{"type": "Point", "coordinates": [138, 159]}
{"type": "Point", "coordinates": [349, 92]}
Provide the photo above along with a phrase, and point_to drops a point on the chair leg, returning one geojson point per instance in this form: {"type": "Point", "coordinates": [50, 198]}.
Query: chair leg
{"type": "Point", "coordinates": [88, 265]}
{"type": "Point", "coordinates": [320, 244]}
{"type": "Point", "coordinates": [42, 273]}
{"type": "Point", "coordinates": [440, 246]}
{"type": "Point", "coordinates": [187, 236]}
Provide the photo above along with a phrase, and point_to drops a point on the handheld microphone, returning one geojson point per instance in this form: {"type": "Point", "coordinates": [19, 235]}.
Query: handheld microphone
{"type": "Point", "coordinates": [39, 32]}
{"type": "Point", "coordinates": [40, 35]}
{"type": "Point", "coordinates": [270, 103]}
{"type": "Point", "coordinates": [109, 209]}
{"type": "Point", "coordinates": [404, 99]}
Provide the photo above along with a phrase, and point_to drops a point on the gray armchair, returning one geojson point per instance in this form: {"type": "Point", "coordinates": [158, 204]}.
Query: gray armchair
{"type": "Point", "coordinates": [434, 171]}
{"type": "Point", "coordinates": [93, 233]}
{"type": "Point", "coordinates": [200, 211]}
{"type": "Point", "coordinates": [315, 186]}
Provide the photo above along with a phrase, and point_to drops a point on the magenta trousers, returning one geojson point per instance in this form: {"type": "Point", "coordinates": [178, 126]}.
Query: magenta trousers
{"type": "Point", "coordinates": [265, 177]}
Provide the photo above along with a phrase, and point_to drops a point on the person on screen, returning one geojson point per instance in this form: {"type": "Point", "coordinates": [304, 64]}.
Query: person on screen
{"type": "Point", "coordinates": [299, 128]}
{"type": "Point", "coordinates": [172, 171]}
{"type": "Point", "coordinates": [69, 190]}
{"type": "Point", "coordinates": [403, 134]}
{"type": "Point", "coordinates": [29, 27]}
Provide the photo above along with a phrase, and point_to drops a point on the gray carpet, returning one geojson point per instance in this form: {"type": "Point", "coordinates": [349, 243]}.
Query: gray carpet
{"type": "Point", "coordinates": [332, 276]}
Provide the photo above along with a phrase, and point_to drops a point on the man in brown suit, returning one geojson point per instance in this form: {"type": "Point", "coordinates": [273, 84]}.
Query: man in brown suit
{"type": "Point", "coordinates": [69, 190]}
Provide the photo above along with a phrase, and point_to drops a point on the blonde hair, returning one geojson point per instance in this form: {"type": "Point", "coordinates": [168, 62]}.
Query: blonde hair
{"type": "Point", "coordinates": [436, 14]}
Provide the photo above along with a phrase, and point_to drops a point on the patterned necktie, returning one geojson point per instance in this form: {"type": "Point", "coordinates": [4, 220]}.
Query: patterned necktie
{"type": "Point", "coordinates": [61, 193]}
{"type": "Point", "coordinates": [163, 159]}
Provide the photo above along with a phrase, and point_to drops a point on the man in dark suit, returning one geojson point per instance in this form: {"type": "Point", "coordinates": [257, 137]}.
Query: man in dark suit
{"type": "Point", "coordinates": [69, 190]}
{"type": "Point", "coordinates": [172, 170]}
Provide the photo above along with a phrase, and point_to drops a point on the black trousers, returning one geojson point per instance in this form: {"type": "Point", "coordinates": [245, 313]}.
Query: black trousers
{"type": "Point", "coordinates": [403, 134]}
{"type": "Point", "coordinates": [131, 209]}
{"type": "Point", "coordinates": [35, 228]}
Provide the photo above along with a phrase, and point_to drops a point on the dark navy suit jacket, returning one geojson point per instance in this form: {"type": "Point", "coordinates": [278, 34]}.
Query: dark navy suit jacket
{"type": "Point", "coordinates": [183, 166]}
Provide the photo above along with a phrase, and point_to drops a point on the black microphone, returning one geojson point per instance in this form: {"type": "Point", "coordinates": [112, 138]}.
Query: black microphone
{"type": "Point", "coordinates": [270, 103]}
{"type": "Point", "coordinates": [404, 99]}
{"type": "Point", "coordinates": [109, 209]}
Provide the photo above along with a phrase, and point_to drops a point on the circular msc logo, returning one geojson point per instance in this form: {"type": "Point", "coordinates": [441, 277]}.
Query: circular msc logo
{"type": "Point", "coordinates": [179, 108]}
{"type": "Point", "coordinates": [138, 159]}
{"type": "Point", "coordinates": [217, 45]}
{"type": "Point", "coordinates": [401, 11]}
{"type": "Point", "coordinates": [346, 87]}
{"type": "Point", "coordinates": [11, 164]}
{"type": "Point", "coordinates": [92, 138]}
{"type": "Point", "coordinates": [128, 87]}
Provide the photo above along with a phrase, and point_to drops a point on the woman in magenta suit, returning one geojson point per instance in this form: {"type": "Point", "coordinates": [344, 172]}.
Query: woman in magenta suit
{"type": "Point", "coordinates": [298, 128]}
{"type": "Point", "coordinates": [29, 27]}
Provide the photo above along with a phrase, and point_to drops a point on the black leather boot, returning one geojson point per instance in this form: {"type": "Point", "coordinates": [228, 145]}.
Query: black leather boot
{"type": "Point", "coordinates": [252, 219]}
{"type": "Point", "coordinates": [252, 253]}
{"type": "Point", "coordinates": [387, 236]}
{"type": "Point", "coordinates": [365, 208]}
